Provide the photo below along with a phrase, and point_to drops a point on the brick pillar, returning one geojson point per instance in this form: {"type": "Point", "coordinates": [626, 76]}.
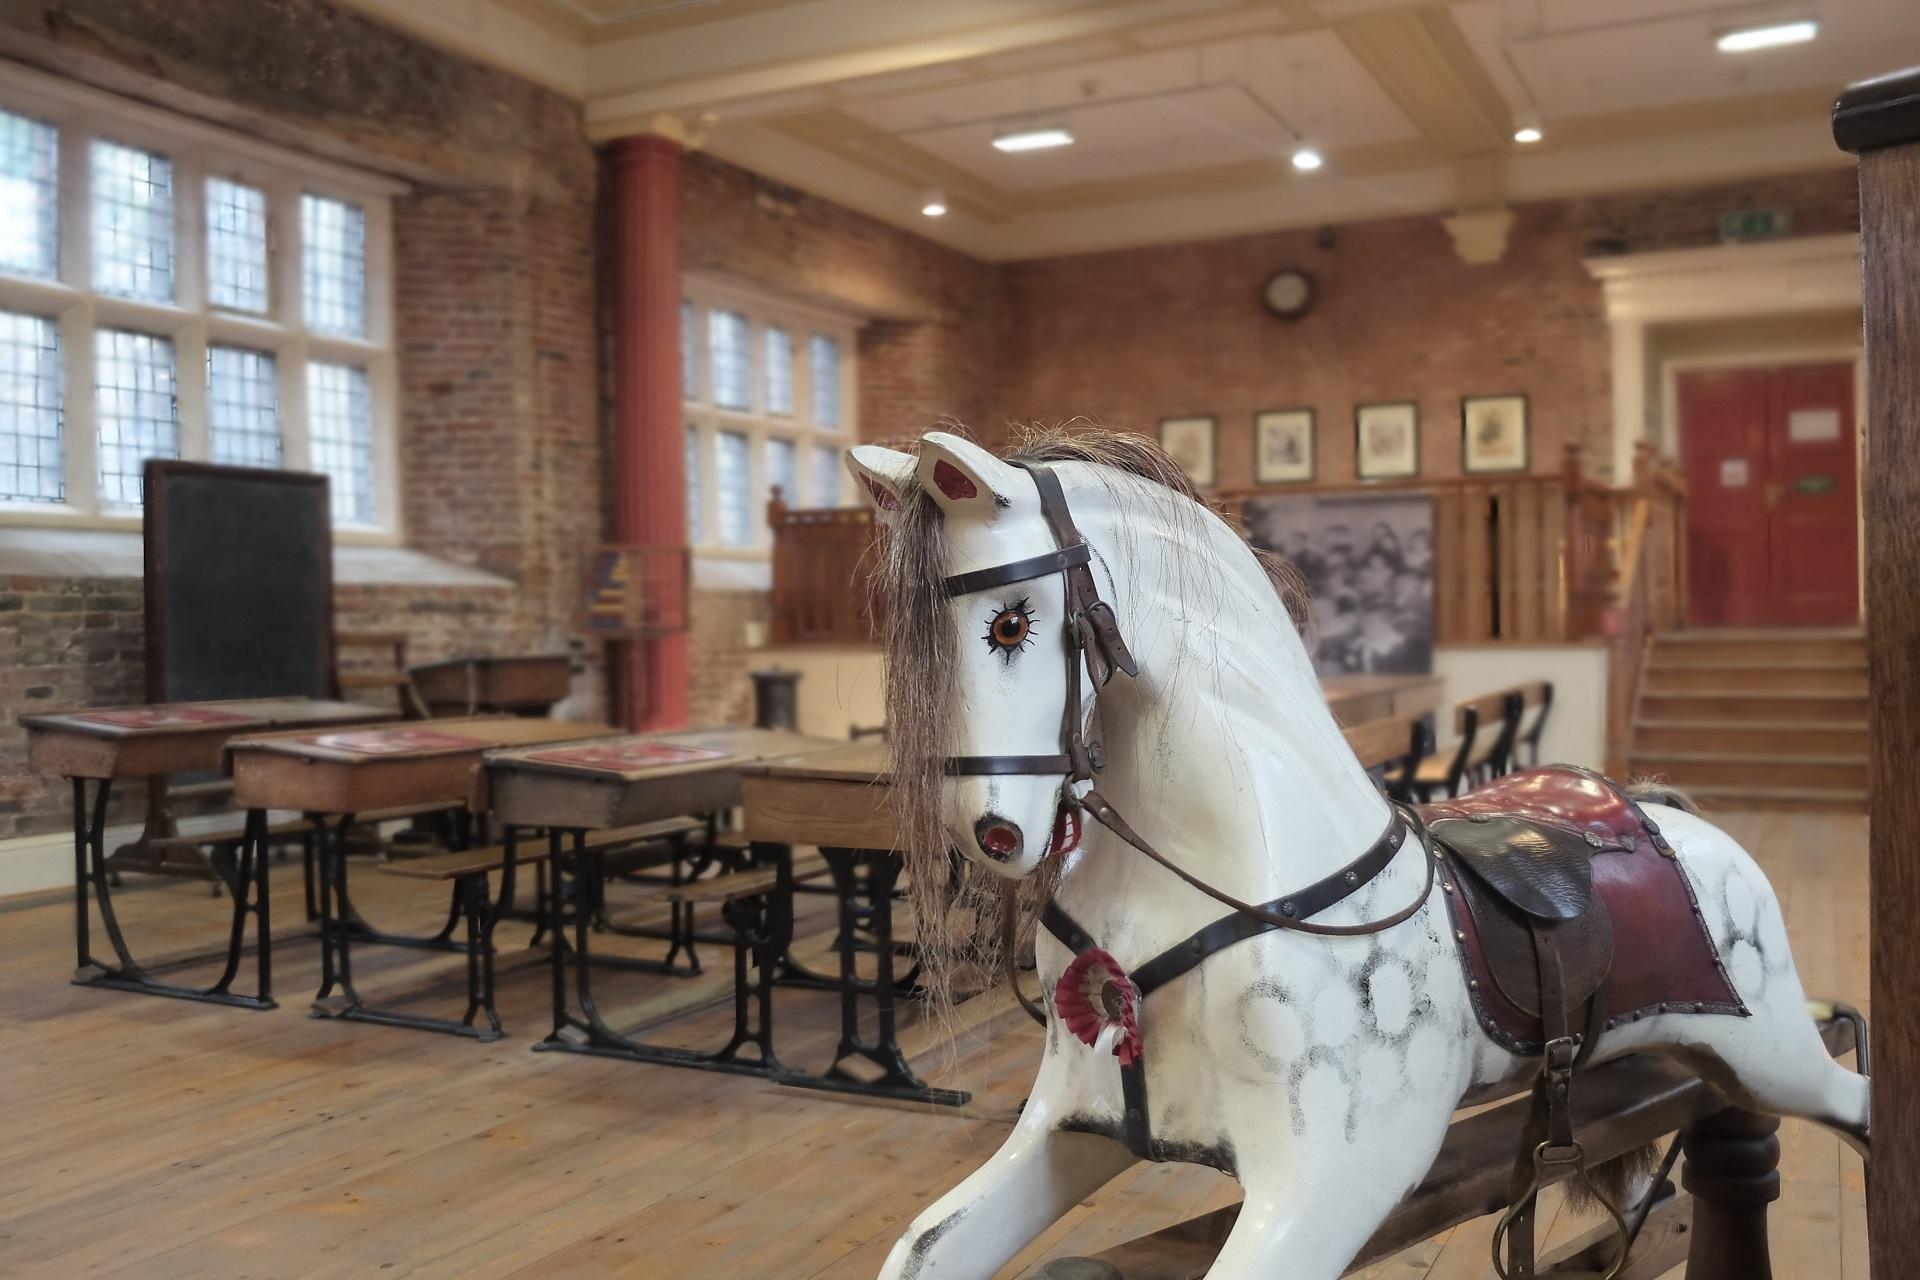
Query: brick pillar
{"type": "Point", "coordinates": [649, 481]}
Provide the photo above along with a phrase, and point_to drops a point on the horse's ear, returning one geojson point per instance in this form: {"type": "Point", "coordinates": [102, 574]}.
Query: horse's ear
{"type": "Point", "coordinates": [884, 475]}
{"type": "Point", "coordinates": [963, 478]}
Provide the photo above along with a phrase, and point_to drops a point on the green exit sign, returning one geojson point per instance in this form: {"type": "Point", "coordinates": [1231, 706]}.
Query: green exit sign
{"type": "Point", "coordinates": [1755, 224]}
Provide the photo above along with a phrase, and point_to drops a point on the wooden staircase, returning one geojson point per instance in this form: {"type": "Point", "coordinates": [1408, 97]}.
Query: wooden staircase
{"type": "Point", "coordinates": [1756, 719]}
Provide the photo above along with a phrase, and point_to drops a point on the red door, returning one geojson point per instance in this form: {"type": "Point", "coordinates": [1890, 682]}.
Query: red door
{"type": "Point", "coordinates": [1772, 527]}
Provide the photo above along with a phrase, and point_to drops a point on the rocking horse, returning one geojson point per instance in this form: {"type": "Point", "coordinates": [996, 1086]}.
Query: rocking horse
{"type": "Point", "coordinates": [1253, 960]}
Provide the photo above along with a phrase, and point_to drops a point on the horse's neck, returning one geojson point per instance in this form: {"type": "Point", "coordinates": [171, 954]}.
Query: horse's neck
{"type": "Point", "coordinates": [1222, 752]}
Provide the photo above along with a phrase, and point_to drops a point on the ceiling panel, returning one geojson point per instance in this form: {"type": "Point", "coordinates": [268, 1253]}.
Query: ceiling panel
{"type": "Point", "coordinates": [1577, 59]}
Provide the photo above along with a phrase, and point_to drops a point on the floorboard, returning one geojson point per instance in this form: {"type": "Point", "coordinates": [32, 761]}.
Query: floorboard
{"type": "Point", "coordinates": [152, 1139]}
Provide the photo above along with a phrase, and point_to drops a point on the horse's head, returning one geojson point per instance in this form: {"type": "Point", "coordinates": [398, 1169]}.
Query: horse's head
{"type": "Point", "coordinates": [1002, 601]}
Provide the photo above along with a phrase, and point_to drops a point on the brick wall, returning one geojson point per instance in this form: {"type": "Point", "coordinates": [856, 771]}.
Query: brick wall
{"type": "Point", "coordinates": [494, 308]}
{"type": "Point", "coordinates": [933, 346]}
{"type": "Point", "coordinates": [1135, 336]}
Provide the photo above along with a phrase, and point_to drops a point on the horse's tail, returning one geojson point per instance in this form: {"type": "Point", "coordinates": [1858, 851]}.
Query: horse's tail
{"type": "Point", "coordinates": [1660, 791]}
{"type": "Point", "coordinates": [1623, 1181]}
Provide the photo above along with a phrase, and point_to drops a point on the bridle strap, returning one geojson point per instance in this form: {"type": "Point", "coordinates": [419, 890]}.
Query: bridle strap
{"type": "Point", "coordinates": [1276, 913]}
{"type": "Point", "coordinates": [962, 584]}
{"type": "Point", "coordinates": [1001, 766]}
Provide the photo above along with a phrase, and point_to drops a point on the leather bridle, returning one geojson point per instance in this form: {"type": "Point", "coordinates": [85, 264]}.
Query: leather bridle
{"type": "Point", "coordinates": [1092, 637]}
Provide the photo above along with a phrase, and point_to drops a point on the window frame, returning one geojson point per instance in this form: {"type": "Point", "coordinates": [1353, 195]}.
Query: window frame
{"type": "Point", "coordinates": [199, 151]}
{"type": "Point", "coordinates": [707, 420]}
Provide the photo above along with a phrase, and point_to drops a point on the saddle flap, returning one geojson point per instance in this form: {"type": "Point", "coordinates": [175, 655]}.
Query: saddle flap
{"type": "Point", "coordinates": [1542, 870]}
{"type": "Point", "coordinates": [1504, 940]}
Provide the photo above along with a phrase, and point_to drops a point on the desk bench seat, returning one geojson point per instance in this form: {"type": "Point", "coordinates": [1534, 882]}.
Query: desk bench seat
{"type": "Point", "coordinates": [468, 862]}
{"type": "Point", "coordinates": [290, 827]}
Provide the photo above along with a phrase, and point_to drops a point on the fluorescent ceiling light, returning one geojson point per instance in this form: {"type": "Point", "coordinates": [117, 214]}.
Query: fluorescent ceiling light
{"type": "Point", "coordinates": [934, 204]}
{"type": "Point", "coordinates": [1527, 133]}
{"type": "Point", "coordinates": [1306, 159]}
{"type": "Point", "coordinates": [1747, 39]}
{"type": "Point", "coordinates": [1036, 138]}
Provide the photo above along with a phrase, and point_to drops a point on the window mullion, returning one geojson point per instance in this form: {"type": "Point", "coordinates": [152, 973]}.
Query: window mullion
{"type": "Point", "coordinates": [78, 416]}
{"type": "Point", "coordinates": [190, 390]}
{"type": "Point", "coordinates": [296, 441]}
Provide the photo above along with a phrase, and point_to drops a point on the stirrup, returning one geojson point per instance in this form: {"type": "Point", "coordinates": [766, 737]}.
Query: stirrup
{"type": "Point", "coordinates": [1548, 1158]}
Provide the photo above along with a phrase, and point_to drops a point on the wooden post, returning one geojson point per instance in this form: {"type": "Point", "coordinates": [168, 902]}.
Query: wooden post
{"type": "Point", "coordinates": [1733, 1171]}
{"type": "Point", "coordinates": [1880, 121]}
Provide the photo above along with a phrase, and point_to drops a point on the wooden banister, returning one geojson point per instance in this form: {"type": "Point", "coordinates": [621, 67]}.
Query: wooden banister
{"type": "Point", "coordinates": [820, 559]}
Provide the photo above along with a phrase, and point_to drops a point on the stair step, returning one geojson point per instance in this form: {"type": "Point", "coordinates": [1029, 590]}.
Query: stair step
{"type": "Point", "coordinates": [1745, 706]}
{"type": "Point", "coordinates": [1756, 736]}
{"type": "Point", "coordinates": [1703, 769]}
{"type": "Point", "coordinates": [1719, 798]}
{"type": "Point", "coordinates": [1784, 652]}
{"type": "Point", "coordinates": [1761, 677]}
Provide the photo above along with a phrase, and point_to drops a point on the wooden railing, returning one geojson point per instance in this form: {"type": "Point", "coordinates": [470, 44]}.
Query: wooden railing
{"type": "Point", "coordinates": [819, 574]}
{"type": "Point", "coordinates": [1517, 559]}
{"type": "Point", "coordinates": [1653, 588]}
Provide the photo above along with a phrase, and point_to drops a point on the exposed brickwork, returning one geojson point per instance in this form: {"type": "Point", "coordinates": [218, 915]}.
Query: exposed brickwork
{"type": "Point", "coordinates": [934, 348]}
{"type": "Point", "coordinates": [1135, 336]}
{"type": "Point", "coordinates": [722, 692]}
{"type": "Point", "coordinates": [494, 313]}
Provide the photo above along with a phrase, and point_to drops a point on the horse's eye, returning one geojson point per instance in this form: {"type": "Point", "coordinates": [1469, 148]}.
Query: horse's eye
{"type": "Point", "coordinates": [1010, 630]}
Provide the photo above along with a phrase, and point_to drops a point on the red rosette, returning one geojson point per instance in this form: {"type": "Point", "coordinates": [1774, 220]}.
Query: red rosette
{"type": "Point", "coordinates": [1094, 994]}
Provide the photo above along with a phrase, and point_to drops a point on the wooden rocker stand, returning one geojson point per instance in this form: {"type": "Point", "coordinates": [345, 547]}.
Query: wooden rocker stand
{"type": "Point", "coordinates": [1716, 1223]}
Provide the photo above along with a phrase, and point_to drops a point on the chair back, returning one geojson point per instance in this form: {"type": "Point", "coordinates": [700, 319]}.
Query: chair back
{"type": "Point", "coordinates": [1535, 698]}
{"type": "Point", "coordinates": [1391, 749]}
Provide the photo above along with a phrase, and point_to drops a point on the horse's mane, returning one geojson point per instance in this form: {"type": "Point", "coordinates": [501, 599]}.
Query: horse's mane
{"type": "Point", "coordinates": [961, 918]}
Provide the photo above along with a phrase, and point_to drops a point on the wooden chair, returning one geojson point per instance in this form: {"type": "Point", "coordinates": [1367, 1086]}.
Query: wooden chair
{"type": "Point", "coordinates": [1538, 699]}
{"type": "Point", "coordinates": [1390, 749]}
{"type": "Point", "coordinates": [1485, 727]}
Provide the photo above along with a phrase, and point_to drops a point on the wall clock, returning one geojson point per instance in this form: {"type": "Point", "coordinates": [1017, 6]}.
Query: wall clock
{"type": "Point", "coordinates": [1288, 294]}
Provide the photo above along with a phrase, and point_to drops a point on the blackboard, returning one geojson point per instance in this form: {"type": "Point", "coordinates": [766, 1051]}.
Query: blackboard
{"type": "Point", "coordinates": [239, 583]}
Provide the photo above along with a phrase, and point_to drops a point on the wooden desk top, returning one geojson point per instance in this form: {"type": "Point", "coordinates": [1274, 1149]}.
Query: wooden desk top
{"type": "Point", "coordinates": [636, 778]}
{"type": "Point", "coordinates": [865, 762]}
{"type": "Point", "coordinates": [170, 737]}
{"type": "Point", "coordinates": [382, 766]}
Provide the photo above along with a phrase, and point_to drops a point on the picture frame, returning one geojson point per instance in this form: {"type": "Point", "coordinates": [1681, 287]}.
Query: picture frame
{"type": "Point", "coordinates": [1283, 446]}
{"type": "Point", "coordinates": [1495, 434]}
{"type": "Point", "coordinates": [1386, 440]}
{"type": "Point", "coordinates": [1190, 440]}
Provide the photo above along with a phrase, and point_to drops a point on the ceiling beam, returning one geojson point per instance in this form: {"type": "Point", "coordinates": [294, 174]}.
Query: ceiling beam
{"type": "Point", "coordinates": [628, 78]}
{"type": "Point", "coordinates": [1423, 63]}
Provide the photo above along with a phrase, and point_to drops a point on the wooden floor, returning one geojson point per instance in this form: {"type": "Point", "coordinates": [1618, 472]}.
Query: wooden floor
{"type": "Point", "coordinates": [154, 1138]}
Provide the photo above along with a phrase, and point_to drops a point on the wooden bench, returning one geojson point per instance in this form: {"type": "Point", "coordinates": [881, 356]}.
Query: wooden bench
{"type": "Point", "coordinates": [1485, 727]}
{"type": "Point", "coordinates": [467, 862]}
{"type": "Point", "coordinates": [735, 885]}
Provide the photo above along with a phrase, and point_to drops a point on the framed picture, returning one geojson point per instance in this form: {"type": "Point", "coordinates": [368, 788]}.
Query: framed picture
{"type": "Point", "coordinates": [1386, 440]}
{"type": "Point", "coordinates": [1283, 446]}
{"type": "Point", "coordinates": [1493, 433]}
{"type": "Point", "coordinates": [1190, 441]}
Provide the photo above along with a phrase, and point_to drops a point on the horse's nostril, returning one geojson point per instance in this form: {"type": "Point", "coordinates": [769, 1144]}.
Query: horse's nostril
{"type": "Point", "coordinates": [998, 837]}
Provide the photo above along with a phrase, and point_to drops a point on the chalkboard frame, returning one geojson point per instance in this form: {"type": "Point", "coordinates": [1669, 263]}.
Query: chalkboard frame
{"type": "Point", "coordinates": [153, 537]}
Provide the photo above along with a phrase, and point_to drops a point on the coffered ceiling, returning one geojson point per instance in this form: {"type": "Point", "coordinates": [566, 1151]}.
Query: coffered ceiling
{"type": "Point", "coordinates": [1186, 113]}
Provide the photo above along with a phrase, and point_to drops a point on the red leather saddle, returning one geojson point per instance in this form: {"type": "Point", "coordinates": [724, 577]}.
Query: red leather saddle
{"type": "Point", "coordinates": [1562, 857]}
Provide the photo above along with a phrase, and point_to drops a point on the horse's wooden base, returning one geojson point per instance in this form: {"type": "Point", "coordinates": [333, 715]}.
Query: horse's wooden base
{"type": "Point", "coordinates": [1618, 1107]}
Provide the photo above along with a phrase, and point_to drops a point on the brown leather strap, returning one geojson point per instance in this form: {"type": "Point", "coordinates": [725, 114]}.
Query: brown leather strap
{"type": "Point", "coordinates": [1104, 813]}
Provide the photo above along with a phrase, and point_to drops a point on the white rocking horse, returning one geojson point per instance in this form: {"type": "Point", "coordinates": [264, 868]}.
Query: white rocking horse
{"type": "Point", "coordinates": [1315, 1045]}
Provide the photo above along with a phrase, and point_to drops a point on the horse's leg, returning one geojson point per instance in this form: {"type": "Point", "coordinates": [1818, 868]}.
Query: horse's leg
{"type": "Point", "coordinates": [975, 1229]}
{"type": "Point", "coordinates": [1310, 1206]}
{"type": "Point", "coordinates": [1773, 1060]}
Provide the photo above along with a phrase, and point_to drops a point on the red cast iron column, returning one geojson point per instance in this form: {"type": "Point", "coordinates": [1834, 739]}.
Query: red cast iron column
{"type": "Point", "coordinates": [649, 484]}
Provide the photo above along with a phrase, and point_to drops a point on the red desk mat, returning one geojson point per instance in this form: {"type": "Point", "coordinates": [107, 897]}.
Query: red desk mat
{"type": "Point", "coordinates": [392, 742]}
{"type": "Point", "coordinates": [164, 717]}
{"type": "Point", "coordinates": [627, 756]}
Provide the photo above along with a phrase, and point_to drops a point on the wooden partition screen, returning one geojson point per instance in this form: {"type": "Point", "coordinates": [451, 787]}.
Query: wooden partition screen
{"type": "Point", "coordinates": [1525, 559]}
{"type": "Point", "coordinates": [1880, 120]}
{"type": "Point", "coordinates": [820, 562]}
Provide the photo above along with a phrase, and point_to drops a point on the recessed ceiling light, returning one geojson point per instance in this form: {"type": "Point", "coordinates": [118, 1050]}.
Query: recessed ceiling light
{"type": "Point", "coordinates": [1034, 138]}
{"type": "Point", "coordinates": [1774, 34]}
{"type": "Point", "coordinates": [1527, 133]}
{"type": "Point", "coordinates": [934, 204]}
{"type": "Point", "coordinates": [1306, 159]}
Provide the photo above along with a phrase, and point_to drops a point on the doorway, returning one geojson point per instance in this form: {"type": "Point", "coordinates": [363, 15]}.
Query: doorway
{"type": "Point", "coordinates": [1772, 516]}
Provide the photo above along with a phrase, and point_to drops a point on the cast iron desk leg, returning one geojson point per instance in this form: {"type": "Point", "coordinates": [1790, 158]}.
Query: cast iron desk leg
{"type": "Point", "coordinates": [863, 880]}
{"type": "Point", "coordinates": [92, 880]}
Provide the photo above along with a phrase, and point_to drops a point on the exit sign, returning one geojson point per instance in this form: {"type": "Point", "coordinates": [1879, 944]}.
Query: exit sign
{"type": "Point", "coordinates": [1755, 224]}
